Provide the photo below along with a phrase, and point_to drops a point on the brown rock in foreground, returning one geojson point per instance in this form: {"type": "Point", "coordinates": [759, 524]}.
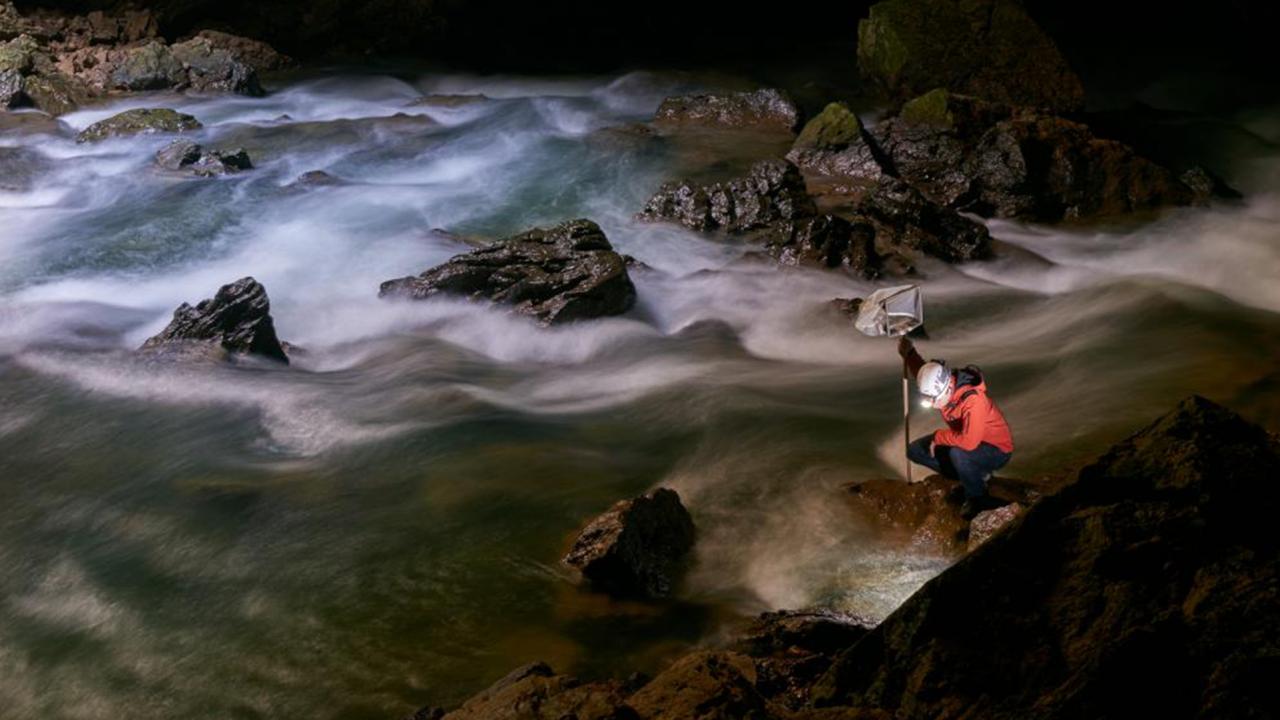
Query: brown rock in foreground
{"type": "Point", "coordinates": [637, 547]}
{"type": "Point", "coordinates": [1146, 588]}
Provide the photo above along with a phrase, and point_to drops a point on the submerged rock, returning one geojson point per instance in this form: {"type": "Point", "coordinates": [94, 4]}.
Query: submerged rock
{"type": "Point", "coordinates": [765, 109]}
{"type": "Point", "coordinates": [637, 547]}
{"type": "Point", "coordinates": [988, 48]}
{"type": "Point", "coordinates": [561, 274]}
{"type": "Point", "coordinates": [236, 321]}
{"type": "Point", "coordinates": [446, 100]}
{"type": "Point", "coordinates": [137, 122]}
{"type": "Point", "coordinates": [1143, 588]}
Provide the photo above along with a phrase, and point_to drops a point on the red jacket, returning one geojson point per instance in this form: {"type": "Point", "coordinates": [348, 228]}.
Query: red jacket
{"type": "Point", "coordinates": [972, 418]}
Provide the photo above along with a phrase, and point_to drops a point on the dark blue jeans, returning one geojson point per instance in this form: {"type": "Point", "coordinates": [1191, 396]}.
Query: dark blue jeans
{"type": "Point", "coordinates": [970, 467]}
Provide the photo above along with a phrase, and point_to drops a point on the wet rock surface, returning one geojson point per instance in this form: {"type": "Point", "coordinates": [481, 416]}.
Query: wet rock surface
{"type": "Point", "coordinates": [988, 48]}
{"type": "Point", "coordinates": [926, 513]}
{"type": "Point", "coordinates": [557, 275]}
{"type": "Point", "coordinates": [989, 522]}
{"type": "Point", "coordinates": [637, 548]}
{"type": "Point", "coordinates": [1137, 589]}
{"type": "Point", "coordinates": [772, 191]}
{"type": "Point", "coordinates": [766, 110]}
{"type": "Point", "coordinates": [793, 648]}
{"type": "Point", "coordinates": [832, 145]}
{"type": "Point", "coordinates": [137, 122]}
{"type": "Point", "coordinates": [905, 219]}
{"type": "Point", "coordinates": [184, 155]}
{"type": "Point", "coordinates": [235, 321]}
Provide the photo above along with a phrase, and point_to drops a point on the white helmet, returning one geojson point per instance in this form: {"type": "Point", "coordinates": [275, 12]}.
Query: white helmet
{"type": "Point", "coordinates": [935, 383]}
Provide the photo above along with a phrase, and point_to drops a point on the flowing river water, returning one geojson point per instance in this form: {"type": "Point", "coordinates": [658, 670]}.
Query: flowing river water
{"type": "Point", "coordinates": [378, 526]}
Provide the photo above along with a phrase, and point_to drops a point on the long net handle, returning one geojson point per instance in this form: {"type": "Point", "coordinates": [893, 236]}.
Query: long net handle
{"type": "Point", "coordinates": [906, 418]}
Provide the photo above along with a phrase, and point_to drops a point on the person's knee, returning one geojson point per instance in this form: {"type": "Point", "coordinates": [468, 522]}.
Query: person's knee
{"type": "Point", "coordinates": [919, 449]}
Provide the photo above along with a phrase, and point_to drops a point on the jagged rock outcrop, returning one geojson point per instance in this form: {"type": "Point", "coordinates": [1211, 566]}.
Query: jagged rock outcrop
{"type": "Point", "coordinates": [235, 321]}
{"type": "Point", "coordinates": [988, 48]}
{"type": "Point", "coordinates": [772, 191]}
{"type": "Point", "coordinates": [184, 155]}
{"type": "Point", "coordinates": [905, 219]}
{"type": "Point", "coordinates": [139, 121]}
{"type": "Point", "coordinates": [767, 109]}
{"type": "Point", "coordinates": [832, 145]}
{"type": "Point", "coordinates": [1145, 587]}
{"type": "Point", "coordinates": [791, 649]}
{"type": "Point", "coordinates": [636, 548]}
{"type": "Point", "coordinates": [557, 275]}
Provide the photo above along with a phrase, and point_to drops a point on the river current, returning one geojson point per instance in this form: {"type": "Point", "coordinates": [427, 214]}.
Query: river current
{"type": "Point", "coordinates": [377, 526]}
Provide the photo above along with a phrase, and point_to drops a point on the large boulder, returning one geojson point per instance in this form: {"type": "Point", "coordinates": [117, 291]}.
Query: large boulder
{"type": "Point", "coordinates": [140, 121]}
{"type": "Point", "coordinates": [924, 515]}
{"type": "Point", "coordinates": [235, 321]}
{"type": "Point", "coordinates": [1048, 168]}
{"type": "Point", "coordinates": [152, 66]}
{"type": "Point", "coordinates": [562, 274]}
{"type": "Point", "coordinates": [1146, 587]}
{"type": "Point", "coordinates": [832, 145]}
{"type": "Point", "coordinates": [766, 110]}
{"type": "Point", "coordinates": [988, 48]}
{"type": "Point", "coordinates": [826, 241]}
{"type": "Point", "coordinates": [258, 55]}
{"type": "Point", "coordinates": [213, 68]}
{"type": "Point", "coordinates": [637, 547]}
{"type": "Point", "coordinates": [772, 191]}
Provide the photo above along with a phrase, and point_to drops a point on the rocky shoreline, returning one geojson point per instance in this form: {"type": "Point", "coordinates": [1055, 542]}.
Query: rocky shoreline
{"type": "Point", "coordinates": [1146, 584]}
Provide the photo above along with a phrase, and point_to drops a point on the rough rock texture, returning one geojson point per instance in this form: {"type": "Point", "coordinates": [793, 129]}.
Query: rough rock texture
{"type": "Point", "coordinates": [905, 218]}
{"type": "Point", "coordinates": [766, 109]}
{"type": "Point", "coordinates": [213, 68]}
{"type": "Point", "coordinates": [256, 54]}
{"type": "Point", "coordinates": [237, 320]}
{"type": "Point", "coordinates": [637, 547]}
{"type": "Point", "coordinates": [705, 685]}
{"type": "Point", "coordinates": [832, 145]}
{"type": "Point", "coordinates": [989, 522]}
{"type": "Point", "coordinates": [987, 48]}
{"type": "Point", "coordinates": [826, 241]}
{"type": "Point", "coordinates": [925, 513]}
{"type": "Point", "coordinates": [149, 67]}
{"type": "Point", "coordinates": [535, 692]}
{"type": "Point", "coordinates": [772, 191]}
{"type": "Point", "coordinates": [137, 122]}
{"type": "Point", "coordinates": [793, 648]}
{"type": "Point", "coordinates": [1047, 168]}
{"type": "Point", "coordinates": [1145, 588]}
{"type": "Point", "coordinates": [184, 155]}
{"type": "Point", "coordinates": [557, 275]}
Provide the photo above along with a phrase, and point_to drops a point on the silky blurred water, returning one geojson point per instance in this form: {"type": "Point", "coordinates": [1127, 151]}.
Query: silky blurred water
{"type": "Point", "coordinates": [377, 527]}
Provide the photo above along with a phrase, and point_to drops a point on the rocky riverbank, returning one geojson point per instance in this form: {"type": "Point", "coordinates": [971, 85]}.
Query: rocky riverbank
{"type": "Point", "coordinates": [1146, 584]}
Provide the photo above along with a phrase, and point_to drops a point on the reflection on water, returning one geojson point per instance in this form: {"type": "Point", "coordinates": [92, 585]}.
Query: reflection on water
{"type": "Point", "coordinates": [378, 525]}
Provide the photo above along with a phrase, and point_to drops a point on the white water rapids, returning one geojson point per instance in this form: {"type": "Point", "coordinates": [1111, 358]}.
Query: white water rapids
{"type": "Point", "coordinates": [377, 526]}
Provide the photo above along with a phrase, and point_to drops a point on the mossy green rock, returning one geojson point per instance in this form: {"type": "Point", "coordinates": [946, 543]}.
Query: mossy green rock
{"type": "Point", "coordinates": [835, 128]}
{"type": "Point", "coordinates": [137, 122]}
{"type": "Point", "coordinates": [987, 48]}
{"type": "Point", "coordinates": [932, 108]}
{"type": "Point", "coordinates": [18, 55]}
{"type": "Point", "coordinates": [149, 67]}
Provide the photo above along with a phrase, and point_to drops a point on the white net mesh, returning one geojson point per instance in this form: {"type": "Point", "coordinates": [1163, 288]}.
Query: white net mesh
{"type": "Point", "coordinates": [891, 311]}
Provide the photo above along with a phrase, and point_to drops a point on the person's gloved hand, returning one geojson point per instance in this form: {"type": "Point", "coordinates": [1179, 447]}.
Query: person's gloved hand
{"type": "Point", "coordinates": [905, 347]}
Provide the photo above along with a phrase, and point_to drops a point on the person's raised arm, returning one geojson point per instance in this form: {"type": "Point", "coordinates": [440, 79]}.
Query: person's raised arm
{"type": "Point", "coordinates": [907, 350]}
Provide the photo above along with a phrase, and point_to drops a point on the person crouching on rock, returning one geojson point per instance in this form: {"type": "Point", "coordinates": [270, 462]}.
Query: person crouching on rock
{"type": "Point", "coordinates": [976, 441]}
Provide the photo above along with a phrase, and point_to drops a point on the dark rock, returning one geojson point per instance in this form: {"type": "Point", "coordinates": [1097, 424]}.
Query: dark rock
{"type": "Point", "coordinates": [562, 274]}
{"type": "Point", "coordinates": [221, 162]}
{"type": "Point", "coordinates": [211, 68]}
{"type": "Point", "coordinates": [637, 547]}
{"type": "Point", "coordinates": [793, 648]}
{"type": "Point", "coordinates": [19, 54]}
{"type": "Point", "coordinates": [707, 685]}
{"type": "Point", "coordinates": [987, 48]}
{"type": "Point", "coordinates": [137, 122]}
{"type": "Point", "coordinates": [429, 712]}
{"type": "Point", "coordinates": [905, 218]}
{"type": "Point", "coordinates": [54, 93]}
{"type": "Point", "coordinates": [535, 692]}
{"type": "Point", "coordinates": [149, 67]}
{"type": "Point", "coordinates": [178, 154]}
{"type": "Point", "coordinates": [826, 241]}
{"type": "Point", "coordinates": [237, 320]}
{"type": "Point", "coordinates": [989, 522]}
{"type": "Point", "coordinates": [258, 55]}
{"type": "Point", "coordinates": [1146, 587]}
{"type": "Point", "coordinates": [772, 191]}
{"type": "Point", "coordinates": [315, 179]}
{"type": "Point", "coordinates": [1205, 185]}
{"type": "Point", "coordinates": [832, 145]}
{"type": "Point", "coordinates": [924, 514]}
{"type": "Point", "coordinates": [766, 109]}
{"type": "Point", "coordinates": [11, 94]}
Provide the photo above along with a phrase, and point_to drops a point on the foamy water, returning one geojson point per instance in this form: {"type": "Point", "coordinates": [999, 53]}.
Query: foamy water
{"type": "Point", "coordinates": [377, 526]}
